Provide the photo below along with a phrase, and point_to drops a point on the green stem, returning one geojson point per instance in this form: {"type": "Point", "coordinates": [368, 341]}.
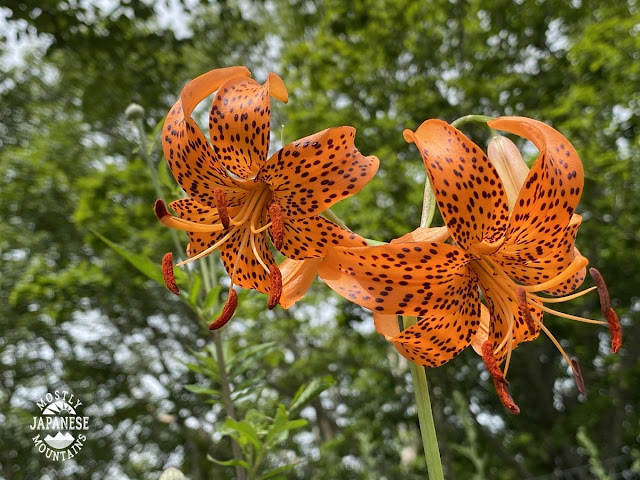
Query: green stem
{"type": "Point", "coordinates": [471, 118]}
{"type": "Point", "coordinates": [425, 415]}
{"type": "Point", "coordinates": [329, 215]}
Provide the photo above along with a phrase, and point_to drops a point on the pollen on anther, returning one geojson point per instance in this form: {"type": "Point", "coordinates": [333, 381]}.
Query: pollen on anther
{"type": "Point", "coordinates": [524, 308]}
{"type": "Point", "coordinates": [505, 396]}
{"type": "Point", "coordinates": [167, 273]}
{"type": "Point", "coordinates": [577, 374]}
{"type": "Point", "coordinates": [614, 330]}
{"type": "Point", "coordinates": [277, 225]}
{"type": "Point", "coordinates": [603, 292]}
{"type": "Point", "coordinates": [227, 312]}
{"type": "Point", "coordinates": [221, 206]}
{"type": "Point", "coordinates": [491, 362]}
{"type": "Point", "coordinates": [275, 289]}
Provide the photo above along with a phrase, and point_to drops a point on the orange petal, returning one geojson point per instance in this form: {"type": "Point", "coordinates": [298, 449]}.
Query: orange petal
{"type": "Point", "coordinates": [550, 193]}
{"type": "Point", "coordinates": [240, 123]}
{"type": "Point", "coordinates": [188, 154]}
{"type": "Point", "coordinates": [422, 234]}
{"type": "Point", "coordinates": [500, 310]}
{"type": "Point", "coordinates": [297, 277]}
{"type": "Point", "coordinates": [310, 237]}
{"type": "Point", "coordinates": [482, 335]}
{"type": "Point", "coordinates": [416, 279]}
{"type": "Point", "coordinates": [533, 270]}
{"type": "Point", "coordinates": [249, 273]}
{"type": "Point", "coordinates": [313, 173]}
{"type": "Point", "coordinates": [435, 339]}
{"type": "Point", "coordinates": [468, 189]}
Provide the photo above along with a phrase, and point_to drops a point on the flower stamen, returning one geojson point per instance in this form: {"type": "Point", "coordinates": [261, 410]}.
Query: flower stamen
{"type": "Point", "coordinates": [169, 220]}
{"type": "Point", "coordinates": [167, 273]}
{"type": "Point", "coordinates": [227, 312]}
{"type": "Point", "coordinates": [577, 375]}
{"type": "Point", "coordinates": [524, 309]}
{"type": "Point", "coordinates": [603, 292]}
{"type": "Point", "coordinates": [221, 206]}
{"type": "Point", "coordinates": [277, 225]}
{"type": "Point", "coordinates": [275, 288]}
{"type": "Point", "coordinates": [614, 330]}
{"type": "Point", "coordinates": [207, 251]}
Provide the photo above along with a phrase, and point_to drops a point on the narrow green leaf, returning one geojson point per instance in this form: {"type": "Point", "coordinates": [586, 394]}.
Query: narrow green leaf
{"type": "Point", "coordinates": [195, 289]}
{"type": "Point", "coordinates": [229, 463]}
{"type": "Point", "coordinates": [276, 471]}
{"type": "Point", "coordinates": [307, 393]}
{"type": "Point", "coordinates": [246, 431]}
{"type": "Point", "coordinates": [202, 390]}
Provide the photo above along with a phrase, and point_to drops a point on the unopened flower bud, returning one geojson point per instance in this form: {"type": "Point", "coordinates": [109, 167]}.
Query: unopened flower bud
{"type": "Point", "coordinates": [172, 473]}
{"type": "Point", "coordinates": [134, 112]}
{"type": "Point", "coordinates": [505, 156]}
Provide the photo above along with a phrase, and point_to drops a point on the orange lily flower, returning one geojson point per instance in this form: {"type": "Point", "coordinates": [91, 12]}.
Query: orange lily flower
{"type": "Point", "coordinates": [236, 194]}
{"type": "Point", "coordinates": [512, 255]}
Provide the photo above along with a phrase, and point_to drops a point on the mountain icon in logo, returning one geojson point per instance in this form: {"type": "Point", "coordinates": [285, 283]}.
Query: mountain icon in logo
{"type": "Point", "coordinates": [61, 440]}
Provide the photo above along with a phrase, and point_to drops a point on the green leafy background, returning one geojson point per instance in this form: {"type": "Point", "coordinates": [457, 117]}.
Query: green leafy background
{"type": "Point", "coordinates": [75, 314]}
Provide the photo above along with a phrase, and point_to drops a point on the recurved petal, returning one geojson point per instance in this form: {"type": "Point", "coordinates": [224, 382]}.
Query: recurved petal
{"type": "Point", "coordinates": [422, 234]}
{"type": "Point", "coordinates": [482, 334]}
{"type": "Point", "coordinates": [310, 237]}
{"type": "Point", "coordinates": [239, 123]}
{"type": "Point", "coordinates": [507, 316]}
{"type": "Point", "coordinates": [550, 193]}
{"type": "Point", "coordinates": [186, 149]}
{"type": "Point", "coordinates": [418, 279]}
{"type": "Point", "coordinates": [241, 262]}
{"type": "Point", "coordinates": [468, 189]}
{"type": "Point", "coordinates": [313, 173]}
{"type": "Point", "coordinates": [297, 277]}
{"type": "Point", "coordinates": [438, 338]}
{"type": "Point", "coordinates": [549, 266]}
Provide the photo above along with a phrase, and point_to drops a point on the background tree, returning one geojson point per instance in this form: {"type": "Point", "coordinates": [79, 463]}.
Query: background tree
{"type": "Point", "coordinates": [76, 314]}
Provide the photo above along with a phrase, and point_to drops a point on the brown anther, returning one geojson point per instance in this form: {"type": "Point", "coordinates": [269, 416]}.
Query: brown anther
{"type": "Point", "coordinates": [526, 311]}
{"type": "Point", "coordinates": [277, 225]}
{"type": "Point", "coordinates": [227, 312]}
{"type": "Point", "coordinates": [221, 206]}
{"type": "Point", "coordinates": [614, 330]}
{"type": "Point", "coordinates": [491, 363]}
{"type": "Point", "coordinates": [275, 287]}
{"type": "Point", "coordinates": [577, 375]}
{"type": "Point", "coordinates": [160, 209]}
{"type": "Point", "coordinates": [603, 292]}
{"type": "Point", "coordinates": [167, 272]}
{"type": "Point", "coordinates": [505, 397]}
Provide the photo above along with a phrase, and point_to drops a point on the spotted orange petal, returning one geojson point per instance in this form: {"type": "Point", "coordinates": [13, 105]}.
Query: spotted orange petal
{"type": "Point", "coordinates": [313, 173]}
{"type": "Point", "coordinates": [241, 263]}
{"type": "Point", "coordinates": [416, 279]}
{"type": "Point", "coordinates": [188, 154]}
{"type": "Point", "coordinates": [467, 187]}
{"type": "Point", "coordinates": [501, 311]}
{"type": "Point", "coordinates": [239, 123]}
{"type": "Point", "coordinates": [309, 238]}
{"type": "Point", "coordinates": [422, 234]}
{"type": "Point", "coordinates": [482, 334]}
{"type": "Point", "coordinates": [297, 277]}
{"type": "Point", "coordinates": [533, 272]}
{"type": "Point", "coordinates": [549, 195]}
{"type": "Point", "coordinates": [435, 339]}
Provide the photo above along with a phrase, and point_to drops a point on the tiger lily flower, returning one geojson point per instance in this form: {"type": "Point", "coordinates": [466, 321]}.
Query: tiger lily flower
{"type": "Point", "coordinates": [513, 256]}
{"type": "Point", "coordinates": [236, 194]}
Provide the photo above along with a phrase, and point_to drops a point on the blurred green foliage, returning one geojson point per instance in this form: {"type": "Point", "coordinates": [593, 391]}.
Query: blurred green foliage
{"type": "Point", "coordinates": [76, 314]}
